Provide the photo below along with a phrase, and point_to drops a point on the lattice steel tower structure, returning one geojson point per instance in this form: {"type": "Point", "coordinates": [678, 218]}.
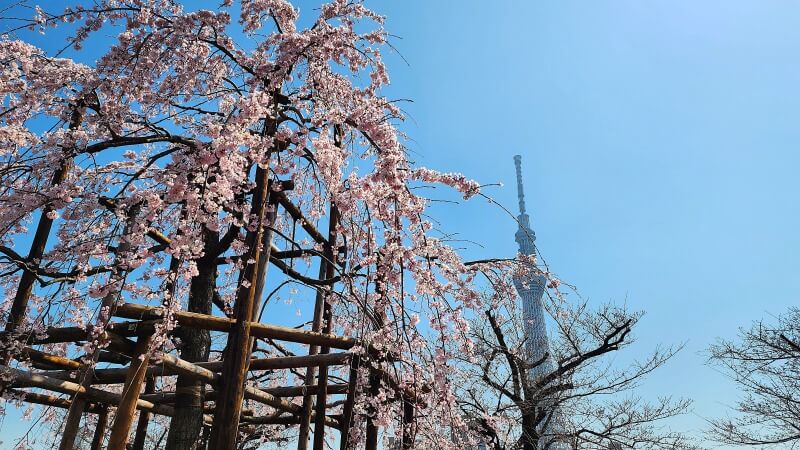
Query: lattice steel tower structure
{"type": "Point", "coordinates": [537, 347]}
{"type": "Point", "coordinates": [531, 289]}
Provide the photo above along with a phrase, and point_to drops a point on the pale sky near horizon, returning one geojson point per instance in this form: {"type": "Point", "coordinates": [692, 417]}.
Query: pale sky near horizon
{"type": "Point", "coordinates": [658, 141]}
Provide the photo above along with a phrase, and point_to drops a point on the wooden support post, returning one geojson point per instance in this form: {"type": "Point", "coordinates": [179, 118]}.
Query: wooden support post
{"type": "Point", "coordinates": [19, 306]}
{"type": "Point", "coordinates": [284, 391]}
{"type": "Point", "coordinates": [123, 419]}
{"type": "Point", "coordinates": [144, 418]}
{"type": "Point", "coordinates": [272, 419]}
{"type": "Point", "coordinates": [372, 429]}
{"type": "Point", "coordinates": [349, 403]}
{"type": "Point", "coordinates": [409, 424]}
{"type": "Point", "coordinates": [225, 430]}
{"type": "Point", "coordinates": [193, 370]}
{"type": "Point", "coordinates": [73, 419]}
{"type": "Point", "coordinates": [100, 431]}
{"type": "Point", "coordinates": [326, 268]}
{"type": "Point", "coordinates": [327, 324]}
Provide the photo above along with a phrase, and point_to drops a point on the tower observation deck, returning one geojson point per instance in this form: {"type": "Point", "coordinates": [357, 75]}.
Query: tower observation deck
{"type": "Point", "coordinates": [531, 287]}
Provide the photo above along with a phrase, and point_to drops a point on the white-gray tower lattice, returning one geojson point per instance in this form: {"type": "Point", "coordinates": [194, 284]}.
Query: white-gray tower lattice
{"type": "Point", "coordinates": [537, 346]}
{"type": "Point", "coordinates": [531, 289]}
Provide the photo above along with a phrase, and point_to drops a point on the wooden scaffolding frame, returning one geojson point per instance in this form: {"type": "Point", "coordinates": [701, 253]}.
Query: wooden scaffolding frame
{"type": "Point", "coordinates": [128, 336]}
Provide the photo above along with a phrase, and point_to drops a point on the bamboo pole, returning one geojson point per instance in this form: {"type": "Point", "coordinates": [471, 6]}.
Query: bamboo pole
{"type": "Point", "coordinates": [144, 418]}
{"type": "Point", "coordinates": [126, 410]}
{"type": "Point", "coordinates": [54, 360]}
{"type": "Point", "coordinates": [100, 430]}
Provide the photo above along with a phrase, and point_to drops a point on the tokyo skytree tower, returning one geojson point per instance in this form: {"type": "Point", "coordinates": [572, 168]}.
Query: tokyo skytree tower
{"type": "Point", "coordinates": [537, 348]}
{"type": "Point", "coordinates": [531, 289]}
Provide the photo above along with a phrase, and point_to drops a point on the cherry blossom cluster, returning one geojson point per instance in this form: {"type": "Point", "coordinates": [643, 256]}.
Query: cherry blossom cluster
{"type": "Point", "coordinates": [164, 134]}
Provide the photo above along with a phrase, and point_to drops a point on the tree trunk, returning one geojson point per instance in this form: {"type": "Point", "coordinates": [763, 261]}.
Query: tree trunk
{"type": "Point", "coordinates": [231, 389]}
{"type": "Point", "coordinates": [530, 437]}
{"type": "Point", "coordinates": [187, 423]}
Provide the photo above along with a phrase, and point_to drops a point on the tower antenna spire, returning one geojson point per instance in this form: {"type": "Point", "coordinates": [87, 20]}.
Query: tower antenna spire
{"type": "Point", "coordinates": [520, 191]}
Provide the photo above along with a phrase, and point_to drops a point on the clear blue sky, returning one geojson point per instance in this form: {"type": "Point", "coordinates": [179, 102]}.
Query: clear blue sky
{"type": "Point", "coordinates": [658, 141]}
{"type": "Point", "coordinates": [659, 147]}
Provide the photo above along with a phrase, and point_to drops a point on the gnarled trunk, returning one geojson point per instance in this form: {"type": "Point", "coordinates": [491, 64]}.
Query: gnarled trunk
{"type": "Point", "coordinates": [187, 423]}
{"type": "Point", "coordinates": [530, 437]}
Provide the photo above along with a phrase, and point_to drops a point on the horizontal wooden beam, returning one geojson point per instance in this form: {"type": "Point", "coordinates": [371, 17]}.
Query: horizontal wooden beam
{"type": "Point", "coordinates": [195, 371]}
{"type": "Point", "coordinates": [52, 400]}
{"type": "Point", "coordinates": [49, 359]}
{"type": "Point", "coordinates": [287, 362]}
{"type": "Point", "coordinates": [117, 375]}
{"type": "Point", "coordinates": [298, 391]}
{"type": "Point", "coordinates": [224, 324]}
{"type": "Point", "coordinates": [283, 391]}
{"type": "Point", "coordinates": [58, 335]}
{"type": "Point", "coordinates": [23, 378]}
{"type": "Point", "coordinates": [271, 419]}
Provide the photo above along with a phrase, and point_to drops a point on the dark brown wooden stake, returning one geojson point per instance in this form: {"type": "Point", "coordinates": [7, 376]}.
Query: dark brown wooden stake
{"type": "Point", "coordinates": [347, 410]}
{"type": "Point", "coordinates": [225, 429]}
{"type": "Point", "coordinates": [144, 418]}
{"type": "Point", "coordinates": [327, 323]}
{"type": "Point", "coordinates": [326, 269]}
{"type": "Point", "coordinates": [409, 424]}
{"type": "Point", "coordinates": [19, 306]}
{"type": "Point", "coordinates": [73, 419]}
{"type": "Point", "coordinates": [100, 431]}
{"type": "Point", "coordinates": [372, 429]}
{"type": "Point", "coordinates": [123, 419]}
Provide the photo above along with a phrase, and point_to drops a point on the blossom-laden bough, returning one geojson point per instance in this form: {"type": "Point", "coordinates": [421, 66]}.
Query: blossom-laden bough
{"type": "Point", "coordinates": [198, 149]}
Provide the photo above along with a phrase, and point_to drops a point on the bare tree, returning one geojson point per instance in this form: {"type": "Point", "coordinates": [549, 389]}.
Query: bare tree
{"type": "Point", "coordinates": [765, 363]}
{"type": "Point", "coordinates": [581, 395]}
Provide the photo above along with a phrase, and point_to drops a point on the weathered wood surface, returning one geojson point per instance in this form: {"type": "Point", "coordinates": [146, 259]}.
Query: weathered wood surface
{"type": "Point", "coordinates": [224, 324]}
{"type": "Point", "coordinates": [126, 409]}
{"type": "Point", "coordinates": [117, 375]}
{"type": "Point", "coordinates": [283, 391]}
{"type": "Point", "coordinates": [100, 430]}
{"type": "Point", "coordinates": [144, 418]}
{"type": "Point", "coordinates": [27, 379]}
